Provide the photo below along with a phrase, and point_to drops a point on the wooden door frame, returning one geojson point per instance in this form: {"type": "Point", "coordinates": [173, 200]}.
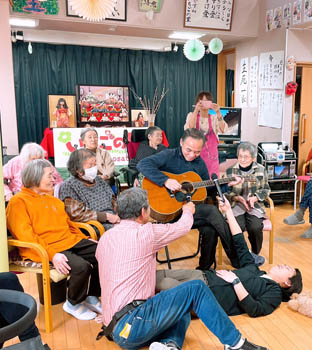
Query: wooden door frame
{"type": "Point", "coordinates": [298, 64]}
{"type": "Point", "coordinates": [221, 75]}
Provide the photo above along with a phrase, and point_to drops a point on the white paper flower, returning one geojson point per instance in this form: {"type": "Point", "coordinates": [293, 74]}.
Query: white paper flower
{"type": "Point", "coordinates": [93, 10]}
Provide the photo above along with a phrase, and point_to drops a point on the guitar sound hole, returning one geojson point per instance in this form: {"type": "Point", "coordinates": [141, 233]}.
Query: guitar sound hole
{"type": "Point", "coordinates": [187, 187]}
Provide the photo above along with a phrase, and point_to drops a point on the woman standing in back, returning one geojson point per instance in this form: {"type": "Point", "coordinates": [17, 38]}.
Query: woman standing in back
{"type": "Point", "coordinates": [207, 118]}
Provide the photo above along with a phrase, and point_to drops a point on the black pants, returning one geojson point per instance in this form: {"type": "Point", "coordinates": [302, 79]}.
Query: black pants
{"type": "Point", "coordinates": [254, 227]}
{"type": "Point", "coordinates": [84, 269]}
{"type": "Point", "coordinates": [211, 225]}
{"type": "Point", "coordinates": [10, 313]}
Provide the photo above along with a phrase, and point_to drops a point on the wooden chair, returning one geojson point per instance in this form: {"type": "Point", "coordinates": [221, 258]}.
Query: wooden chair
{"type": "Point", "coordinates": [268, 225]}
{"type": "Point", "coordinates": [48, 273]}
{"type": "Point", "coordinates": [303, 178]}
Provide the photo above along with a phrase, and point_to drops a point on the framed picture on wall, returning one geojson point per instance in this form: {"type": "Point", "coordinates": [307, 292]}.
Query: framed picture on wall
{"type": "Point", "coordinates": [119, 13]}
{"type": "Point", "coordinates": [208, 14]}
{"type": "Point", "coordinates": [147, 5]}
{"type": "Point", "coordinates": [62, 111]}
{"type": "Point", "coordinates": [103, 104]}
{"type": "Point", "coordinates": [139, 118]}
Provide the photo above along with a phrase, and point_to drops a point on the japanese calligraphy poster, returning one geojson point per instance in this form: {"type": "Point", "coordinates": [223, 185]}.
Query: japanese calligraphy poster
{"type": "Point", "coordinates": [270, 108]}
{"type": "Point", "coordinates": [253, 82]}
{"type": "Point", "coordinates": [210, 14]}
{"type": "Point", "coordinates": [307, 14]}
{"type": "Point", "coordinates": [271, 70]}
{"type": "Point", "coordinates": [66, 140]}
{"type": "Point", "coordinates": [243, 82]}
{"type": "Point", "coordinates": [297, 9]}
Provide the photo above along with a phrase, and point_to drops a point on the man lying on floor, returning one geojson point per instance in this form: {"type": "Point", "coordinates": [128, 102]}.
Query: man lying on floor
{"type": "Point", "coordinates": [245, 290]}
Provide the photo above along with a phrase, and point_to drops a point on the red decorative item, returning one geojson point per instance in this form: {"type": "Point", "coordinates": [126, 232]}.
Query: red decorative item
{"type": "Point", "coordinates": [291, 88]}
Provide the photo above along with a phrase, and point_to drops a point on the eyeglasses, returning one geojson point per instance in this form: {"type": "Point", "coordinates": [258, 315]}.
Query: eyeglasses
{"type": "Point", "coordinates": [244, 157]}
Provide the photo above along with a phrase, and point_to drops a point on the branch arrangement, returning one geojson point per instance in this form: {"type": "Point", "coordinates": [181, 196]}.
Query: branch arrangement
{"type": "Point", "coordinates": [146, 103]}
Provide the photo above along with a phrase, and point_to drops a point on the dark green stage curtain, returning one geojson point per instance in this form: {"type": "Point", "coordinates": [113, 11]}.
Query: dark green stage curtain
{"type": "Point", "coordinates": [229, 87]}
{"type": "Point", "coordinates": [57, 69]}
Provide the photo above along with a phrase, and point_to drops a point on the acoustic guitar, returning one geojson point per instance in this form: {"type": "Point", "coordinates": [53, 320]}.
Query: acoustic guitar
{"type": "Point", "coordinates": [166, 205]}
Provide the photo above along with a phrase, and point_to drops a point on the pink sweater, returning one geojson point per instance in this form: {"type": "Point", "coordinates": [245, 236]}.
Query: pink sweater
{"type": "Point", "coordinates": [12, 174]}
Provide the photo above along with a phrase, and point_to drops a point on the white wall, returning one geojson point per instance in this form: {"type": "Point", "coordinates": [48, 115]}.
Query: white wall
{"type": "Point", "coordinates": [266, 41]}
{"type": "Point", "coordinates": [7, 93]}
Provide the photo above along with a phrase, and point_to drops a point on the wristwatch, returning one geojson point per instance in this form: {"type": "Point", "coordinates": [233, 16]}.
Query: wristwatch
{"type": "Point", "coordinates": [236, 281]}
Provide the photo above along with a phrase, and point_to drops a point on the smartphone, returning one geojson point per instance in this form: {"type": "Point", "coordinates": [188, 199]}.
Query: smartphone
{"type": "Point", "coordinates": [206, 104]}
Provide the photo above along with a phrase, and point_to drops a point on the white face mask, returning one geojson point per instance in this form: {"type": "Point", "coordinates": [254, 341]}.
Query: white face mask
{"type": "Point", "coordinates": [90, 174]}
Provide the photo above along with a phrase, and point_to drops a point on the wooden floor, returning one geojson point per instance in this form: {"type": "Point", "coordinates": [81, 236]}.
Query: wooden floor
{"type": "Point", "coordinates": [284, 329]}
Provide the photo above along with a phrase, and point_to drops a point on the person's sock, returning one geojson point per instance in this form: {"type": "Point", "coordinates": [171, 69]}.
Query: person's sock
{"type": "Point", "coordinates": [296, 218]}
{"type": "Point", "coordinates": [307, 233]}
{"type": "Point", "coordinates": [236, 346]}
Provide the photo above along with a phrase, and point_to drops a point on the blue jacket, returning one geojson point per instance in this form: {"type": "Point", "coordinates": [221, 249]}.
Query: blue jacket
{"type": "Point", "coordinates": [172, 161]}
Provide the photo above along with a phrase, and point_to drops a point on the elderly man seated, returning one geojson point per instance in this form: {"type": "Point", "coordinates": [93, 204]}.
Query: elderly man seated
{"type": "Point", "coordinates": [85, 194]}
{"type": "Point", "coordinates": [35, 216]}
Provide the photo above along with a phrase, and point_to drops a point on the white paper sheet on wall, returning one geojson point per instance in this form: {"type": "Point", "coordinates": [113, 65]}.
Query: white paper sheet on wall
{"type": "Point", "coordinates": [271, 69]}
{"type": "Point", "coordinates": [243, 82]}
{"type": "Point", "coordinates": [253, 82]}
{"type": "Point", "coordinates": [270, 108]}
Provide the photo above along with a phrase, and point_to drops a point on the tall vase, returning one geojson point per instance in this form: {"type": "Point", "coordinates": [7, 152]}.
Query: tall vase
{"type": "Point", "coordinates": [151, 119]}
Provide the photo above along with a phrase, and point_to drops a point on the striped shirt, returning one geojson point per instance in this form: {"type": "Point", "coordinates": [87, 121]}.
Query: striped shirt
{"type": "Point", "coordinates": [127, 260]}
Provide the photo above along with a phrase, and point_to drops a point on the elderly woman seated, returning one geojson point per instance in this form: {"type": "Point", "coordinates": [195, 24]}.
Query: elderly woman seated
{"type": "Point", "coordinates": [247, 198]}
{"type": "Point", "coordinates": [35, 216]}
{"type": "Point", "coordinates": [12, 170]}
{"type": "Point", "coordinates": [86, 195]}
{"type": "Point", "coordinates": [152, 144]}
{"type": "Point", "coordinates": [104, 162]}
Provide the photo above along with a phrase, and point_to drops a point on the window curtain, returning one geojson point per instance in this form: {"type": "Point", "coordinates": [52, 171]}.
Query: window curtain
{"type": "Point", "coordinates": [229, 87]}
{"type": "Point", "coordinates": [57, 69]}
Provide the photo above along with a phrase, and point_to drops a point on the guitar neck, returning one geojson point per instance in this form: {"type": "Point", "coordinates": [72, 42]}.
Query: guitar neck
{"type": "Point", "coordinates": [210, 183]}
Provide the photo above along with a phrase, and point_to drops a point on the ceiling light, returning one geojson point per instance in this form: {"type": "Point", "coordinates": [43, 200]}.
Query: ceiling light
{"type": "Point", "coordinates": [185, 35]}
{"type": "Point", "coordinates": [23, 22]}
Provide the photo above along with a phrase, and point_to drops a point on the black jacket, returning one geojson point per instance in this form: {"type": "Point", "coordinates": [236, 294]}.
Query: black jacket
{"type": "Point", "coordinates": [264, 294]}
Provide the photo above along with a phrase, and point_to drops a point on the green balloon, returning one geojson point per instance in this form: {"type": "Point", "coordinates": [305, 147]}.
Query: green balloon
{"type": "Point", "coordinates": [215, 46]}
{"type": "Point", "coordinates": [194, 50]}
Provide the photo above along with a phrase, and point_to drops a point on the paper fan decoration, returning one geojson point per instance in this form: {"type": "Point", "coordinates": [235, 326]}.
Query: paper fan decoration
{"type": "Point", "coordinates": [93, 10]}
{"type": "Point", "coordinates": [215, 46]}
{"type": "Point", "coordinates": [194, 50]}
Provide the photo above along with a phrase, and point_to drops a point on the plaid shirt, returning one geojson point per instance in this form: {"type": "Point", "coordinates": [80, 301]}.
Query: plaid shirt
{"type": "Point", "coordinates": [260, 188]}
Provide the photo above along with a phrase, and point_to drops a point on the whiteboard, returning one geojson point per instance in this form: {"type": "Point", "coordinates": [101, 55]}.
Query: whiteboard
{"type": "Point", "coordinates": [208, 14]}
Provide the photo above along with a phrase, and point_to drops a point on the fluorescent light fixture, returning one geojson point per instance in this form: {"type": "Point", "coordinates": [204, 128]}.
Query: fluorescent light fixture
{"type": "Point", "coordinates": [185, 35]}
{"type": "Point", "coordinates": [23, 22]}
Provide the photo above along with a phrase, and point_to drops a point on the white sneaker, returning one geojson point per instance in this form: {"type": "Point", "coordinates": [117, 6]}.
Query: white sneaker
{"type": "Point", "coordinates": [162, 346]}
{"type": "Point", "coordinates": [94, 304]}
{"type": "Point", "coordinates": [80, 311]}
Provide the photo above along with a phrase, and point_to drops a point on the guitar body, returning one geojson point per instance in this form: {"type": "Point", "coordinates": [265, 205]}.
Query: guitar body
{"type": "Point", "coordinates": [165, 208]}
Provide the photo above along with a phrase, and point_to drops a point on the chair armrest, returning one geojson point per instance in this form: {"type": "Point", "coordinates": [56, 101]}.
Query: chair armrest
{"type": "Point", "coordinates": [86, 227]}
{"type": "Point", "coordinates": [38, 248]}
{"type": "Point", "coordinates": [271, 211]}
{"type": "Point", "coordinates": [98, 225]}
{"type": "Point", "coordinates": [304, 167]}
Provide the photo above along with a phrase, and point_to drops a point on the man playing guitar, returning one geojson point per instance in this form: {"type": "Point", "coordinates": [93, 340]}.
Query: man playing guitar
{"type": "Point", "coordinates": [207, 218]}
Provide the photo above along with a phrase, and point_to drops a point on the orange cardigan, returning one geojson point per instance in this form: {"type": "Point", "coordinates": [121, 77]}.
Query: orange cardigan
{"type": "Point", "coordinates": [42, 219]}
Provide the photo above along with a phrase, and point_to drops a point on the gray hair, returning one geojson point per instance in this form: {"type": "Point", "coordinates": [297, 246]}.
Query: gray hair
{"type": "Point", "coordinates": [151, 130]}
{"type": "Point", "coordinates": [76, 160]}
{"type": "Point", "coordinates": [84, 131]}
{"type": "Point", "coordinates": [247, 146]}
{"type": "Point", "coordinates": [130, 203]}
{"type": "Point", "coordinates": [33, 172]}
{"type": "Point", "coordinates": [32, 149]}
